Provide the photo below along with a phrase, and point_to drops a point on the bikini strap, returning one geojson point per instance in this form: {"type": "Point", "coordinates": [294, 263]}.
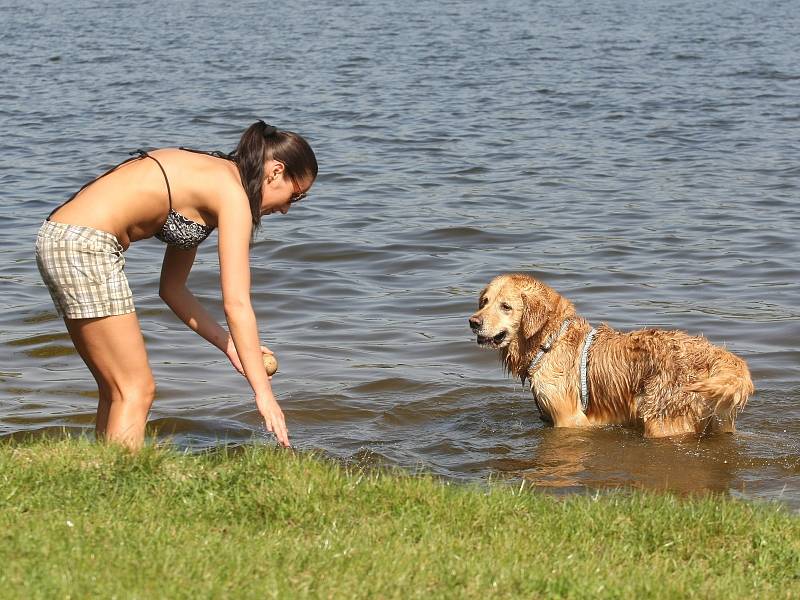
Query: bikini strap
{"type": "Point", "coordinates": [144, 154]}
{"type": "Point", "coordinates": [215, 153]}
{"type": "Point", "coordinates": [139, 153]}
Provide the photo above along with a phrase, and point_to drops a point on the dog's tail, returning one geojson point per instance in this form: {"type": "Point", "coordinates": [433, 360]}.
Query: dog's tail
{"type": "Point", "coordinates": [728, 388]}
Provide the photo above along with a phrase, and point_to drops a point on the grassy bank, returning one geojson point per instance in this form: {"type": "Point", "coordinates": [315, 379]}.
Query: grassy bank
{"type": "Point", "coordinates": [82, 520]}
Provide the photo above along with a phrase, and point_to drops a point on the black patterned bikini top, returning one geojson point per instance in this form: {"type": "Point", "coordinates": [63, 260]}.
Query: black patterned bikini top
{"type": "Point", "coordinates": [177, 230]}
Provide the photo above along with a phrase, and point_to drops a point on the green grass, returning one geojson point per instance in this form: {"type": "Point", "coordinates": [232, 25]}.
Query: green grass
{"type": "Point", "coordinates": [82, 520]}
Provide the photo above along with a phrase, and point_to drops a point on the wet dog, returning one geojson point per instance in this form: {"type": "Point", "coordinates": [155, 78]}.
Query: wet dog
{"type": "Point", "coordinates": [666, 382]}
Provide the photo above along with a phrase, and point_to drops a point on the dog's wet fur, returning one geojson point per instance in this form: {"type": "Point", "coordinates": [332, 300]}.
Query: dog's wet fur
{"type": "Point", "coordinates": [665, 382]}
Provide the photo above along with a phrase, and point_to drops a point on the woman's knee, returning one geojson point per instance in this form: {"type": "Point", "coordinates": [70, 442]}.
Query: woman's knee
{"type": "Point", "coordinates": [144, 392]}
{"type": "Point", "coordinates": [140, 393]}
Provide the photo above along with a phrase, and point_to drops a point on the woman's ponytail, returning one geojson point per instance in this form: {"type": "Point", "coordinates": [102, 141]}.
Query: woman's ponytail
{"type": "Point", "coordinates": [261, 142]}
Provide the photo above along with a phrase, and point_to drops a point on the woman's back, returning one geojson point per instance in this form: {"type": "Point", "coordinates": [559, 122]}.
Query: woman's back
{"type": "Point", "coordinates": [132, 201]}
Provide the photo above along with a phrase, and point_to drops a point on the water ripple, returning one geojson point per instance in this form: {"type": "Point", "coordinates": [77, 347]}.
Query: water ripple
{"type": "Point", "coordinates": [639, 158]}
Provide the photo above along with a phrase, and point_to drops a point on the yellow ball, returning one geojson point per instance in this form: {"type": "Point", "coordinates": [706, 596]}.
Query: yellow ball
{"type": "Point", "coordinates": [270, 364]}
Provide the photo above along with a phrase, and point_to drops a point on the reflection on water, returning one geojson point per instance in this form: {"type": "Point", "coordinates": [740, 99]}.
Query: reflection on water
{"type": "Point", "coordinates": [640, 158]}
{"type": "Point", "coordinates": [613, 457]}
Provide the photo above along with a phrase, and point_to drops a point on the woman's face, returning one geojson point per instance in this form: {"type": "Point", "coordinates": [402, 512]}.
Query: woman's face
{"type": "Point", "coordinates": [279, 192]}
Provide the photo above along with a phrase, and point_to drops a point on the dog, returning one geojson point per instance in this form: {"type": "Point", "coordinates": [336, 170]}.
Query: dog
{"type": "Point", "coordinates": [665, 382]}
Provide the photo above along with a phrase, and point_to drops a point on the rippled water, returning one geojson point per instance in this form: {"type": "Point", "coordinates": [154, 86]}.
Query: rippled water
{"type": "Point", "coordinates": [642, 158]}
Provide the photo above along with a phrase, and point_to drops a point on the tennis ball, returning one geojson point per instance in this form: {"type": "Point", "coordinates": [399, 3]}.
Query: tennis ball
{"type": "Point", "coordinates": [270, 364]}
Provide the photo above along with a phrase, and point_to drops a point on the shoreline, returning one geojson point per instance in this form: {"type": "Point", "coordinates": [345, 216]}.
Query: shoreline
{"type": "Point", "coordinates": [85, 519]}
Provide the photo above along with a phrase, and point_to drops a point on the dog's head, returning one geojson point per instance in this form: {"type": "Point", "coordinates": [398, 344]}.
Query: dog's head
{"type": "Point", "coordinates": [512, 307]}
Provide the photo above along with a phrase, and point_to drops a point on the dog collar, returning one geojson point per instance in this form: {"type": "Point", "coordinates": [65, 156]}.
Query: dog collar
{"type": "Point", "coordinates": [545, 348]}
{"type": "Point", "coordinates": [584, 369]}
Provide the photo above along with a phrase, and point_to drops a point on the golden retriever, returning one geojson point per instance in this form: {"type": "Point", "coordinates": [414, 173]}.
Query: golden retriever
{"type": "Point", "coordinates": [666, 382]}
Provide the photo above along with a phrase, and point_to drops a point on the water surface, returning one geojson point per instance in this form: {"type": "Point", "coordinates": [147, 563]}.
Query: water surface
{"type": "Point", "coordinates": [641, 158]}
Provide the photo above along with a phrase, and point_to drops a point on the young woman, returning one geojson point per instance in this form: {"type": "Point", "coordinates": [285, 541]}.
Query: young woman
{"type": "Point", "coordinates": [179, 196]}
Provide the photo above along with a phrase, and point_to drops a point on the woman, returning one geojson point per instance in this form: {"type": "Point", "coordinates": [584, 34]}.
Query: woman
{"type": "Point", "coordinates": [179, 196]}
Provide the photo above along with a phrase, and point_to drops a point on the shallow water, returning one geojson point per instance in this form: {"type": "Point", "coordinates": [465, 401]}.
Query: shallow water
{"type": "Point", "coordinates": [640, 159]}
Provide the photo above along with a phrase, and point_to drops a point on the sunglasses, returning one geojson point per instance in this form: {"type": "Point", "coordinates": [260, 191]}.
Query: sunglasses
{"type": "Point", "coordinates": [297, 194]}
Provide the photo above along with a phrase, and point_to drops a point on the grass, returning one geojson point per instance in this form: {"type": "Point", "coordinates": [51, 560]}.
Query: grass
{"type": "Point", "coordinates": [83, 520]}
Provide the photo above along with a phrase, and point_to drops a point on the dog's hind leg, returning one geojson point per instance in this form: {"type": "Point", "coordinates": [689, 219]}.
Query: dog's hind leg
{"type": "Point", "coordinates": [725, 393]}
{"type": "Point", "coordinates": [723, 421]}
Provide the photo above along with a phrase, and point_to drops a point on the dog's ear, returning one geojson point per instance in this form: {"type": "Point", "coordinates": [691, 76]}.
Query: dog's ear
{"type": "Point", "coordinates": [533, 316]}
{"type": "Point", "coordinates": [482, 294]}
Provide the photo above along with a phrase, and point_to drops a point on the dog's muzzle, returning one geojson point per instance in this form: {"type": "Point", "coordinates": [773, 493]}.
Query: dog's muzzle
{"type": "Point", "coordinates": [476, 324]}
{"type": "Point", "coordinates": [491, 341]}
{"type": "Point", "coordinates": [495, 340]}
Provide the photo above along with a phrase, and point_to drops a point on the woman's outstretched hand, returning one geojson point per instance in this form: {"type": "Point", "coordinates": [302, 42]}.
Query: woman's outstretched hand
{"type": "Point", "coordinates": [273, 418]}
{"type": "Point", "coordinates": [267, 405]}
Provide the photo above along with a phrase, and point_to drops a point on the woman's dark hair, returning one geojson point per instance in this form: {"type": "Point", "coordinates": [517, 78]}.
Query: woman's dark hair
{"type": "Point", "coordinates": [261, 142]}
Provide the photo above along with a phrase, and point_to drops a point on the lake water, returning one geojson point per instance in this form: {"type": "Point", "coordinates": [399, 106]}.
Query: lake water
{"type": "Point", "coordinates": [641, 158]}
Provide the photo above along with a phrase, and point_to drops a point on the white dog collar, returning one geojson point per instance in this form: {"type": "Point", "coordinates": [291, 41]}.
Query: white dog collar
{"type": "Point", "coordinates": [545, 348]}
{"type": "Point", "coordinates": [584, 369]}
{"type": "Point", "coordinates": [584, 366]}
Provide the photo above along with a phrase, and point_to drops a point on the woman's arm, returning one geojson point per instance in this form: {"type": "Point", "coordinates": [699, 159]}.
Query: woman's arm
{"type": "Point", "coordinates": [172, 289]}
{"type": "Point", "coordinates": [235, 226]}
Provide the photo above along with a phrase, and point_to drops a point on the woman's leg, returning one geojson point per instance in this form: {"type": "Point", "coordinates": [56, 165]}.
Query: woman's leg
{"type": "Point", "coordinates": [113, 349]}
{"type": "Point", "coordinates": [103, 407]}
{"type": "Point", "coordinates": [104, 399]}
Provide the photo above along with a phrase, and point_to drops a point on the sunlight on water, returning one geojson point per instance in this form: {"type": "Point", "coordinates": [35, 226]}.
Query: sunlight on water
{"type": "Point", "coordinates": [640, 158]}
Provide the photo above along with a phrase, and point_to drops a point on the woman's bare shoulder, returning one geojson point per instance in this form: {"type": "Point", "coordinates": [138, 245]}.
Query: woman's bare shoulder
{"type": "Point", "coordinates": [213, 181]}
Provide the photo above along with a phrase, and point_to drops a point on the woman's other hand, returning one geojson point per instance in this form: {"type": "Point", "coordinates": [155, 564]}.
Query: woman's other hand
{"type": "Point", "coordinates": [273, 418]}
{"type": "Point", "coordinates": [233, 356]}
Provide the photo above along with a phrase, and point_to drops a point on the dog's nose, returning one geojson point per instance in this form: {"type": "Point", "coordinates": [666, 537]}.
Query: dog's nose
{"type": "Point", "coordinates": [475, 322]}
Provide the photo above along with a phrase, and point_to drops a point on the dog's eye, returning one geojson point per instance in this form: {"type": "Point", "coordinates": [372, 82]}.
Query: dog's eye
{"type": "Point", "coordinates": [505, 306]}
{"type": "Point", "coordinates": [483, 302]}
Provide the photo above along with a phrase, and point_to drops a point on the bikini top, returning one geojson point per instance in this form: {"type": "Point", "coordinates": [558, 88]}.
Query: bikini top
{"type": "Point", "coordinates": [178, 230]}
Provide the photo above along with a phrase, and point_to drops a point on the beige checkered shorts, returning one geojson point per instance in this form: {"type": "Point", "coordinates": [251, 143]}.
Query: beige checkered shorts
{"type": "Point", "coordinates": [83, 269]}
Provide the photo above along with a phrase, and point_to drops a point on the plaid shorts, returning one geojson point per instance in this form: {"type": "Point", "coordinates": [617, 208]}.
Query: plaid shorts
{"type": "Point", "coordinates": [82, 268]}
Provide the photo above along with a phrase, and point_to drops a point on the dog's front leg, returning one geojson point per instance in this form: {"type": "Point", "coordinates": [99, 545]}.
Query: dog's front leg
{"type": "Point", "coordinates": [572, 419]}
{"type": "Point", "coordinates": [560, 409]}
